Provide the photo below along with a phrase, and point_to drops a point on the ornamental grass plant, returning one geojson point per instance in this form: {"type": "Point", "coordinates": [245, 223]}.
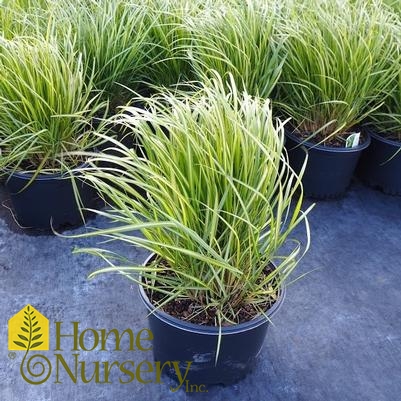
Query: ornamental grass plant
{"type": "Point", "coordinates": [386, 121]}
{"type": "Point", "coordinates": [341, 59]}
{"type": "Point", "coordinates": [113, 37]}
{"type": "Point", "coordinates": [169, 39]}
{"type": "Point", "coordinates": [46, 107]}
{"type": "Point", "coordinates": [241, 40]}
{"type": "Point", "coordinates": [216, 204]}
{"type": "Point", "coordinates": [24, 18]}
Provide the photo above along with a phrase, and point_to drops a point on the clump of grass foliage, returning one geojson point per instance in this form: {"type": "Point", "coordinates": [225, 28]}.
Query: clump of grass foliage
{"type": "Point", "coordinates": [387, 120]}
{"type": "Point", "coordinates": [241, 40]}
{"type": "Point", "coordinates": [113, 37]}
{"type": "Point", "coordinates": [46, 108]}
{"type": "Point", "coordinates": [341, 59]}
{"type": "Point", "coordinates": [220, 201]}
{"type": "Point", "coordinates": [24, 17]}
{"type": "Point", "coordinates": [170, 39]}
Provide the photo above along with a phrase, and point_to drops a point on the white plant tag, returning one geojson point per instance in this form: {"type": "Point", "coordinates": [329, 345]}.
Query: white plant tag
{"type": "Point", "coordinates": [353, 140]}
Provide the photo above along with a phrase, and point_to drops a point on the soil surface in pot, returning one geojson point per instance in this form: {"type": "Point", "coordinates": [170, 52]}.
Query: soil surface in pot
{"type": "Point", "coordinates": [52, 167]}
{"type": "Point", "coordinates": [193, 311]}
{"type": "Point", "coordinates": [336, 141]}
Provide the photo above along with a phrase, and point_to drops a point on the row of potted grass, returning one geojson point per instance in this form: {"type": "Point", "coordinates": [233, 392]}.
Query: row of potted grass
{"type": "Point", "coordinates": [328, 68]}
{"type": "Point", "coordinates": [340, 65]}
{"type": "Point", "coordinates": [212, 192]}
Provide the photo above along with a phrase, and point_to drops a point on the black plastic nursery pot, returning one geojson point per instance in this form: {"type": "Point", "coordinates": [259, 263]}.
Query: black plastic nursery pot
{"type": "Point", "coordinates": [329, 169]}
{"type": "Point", "coordinates": [178, 340]}
{"type": "Point", "coordinates": [49, 200]}
{"type": "Point", "coordinates": [380, 165]}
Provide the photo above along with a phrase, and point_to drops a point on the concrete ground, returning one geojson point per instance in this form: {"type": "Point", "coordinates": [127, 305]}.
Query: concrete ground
{"type": "Point", "coordinates": [337, 336]}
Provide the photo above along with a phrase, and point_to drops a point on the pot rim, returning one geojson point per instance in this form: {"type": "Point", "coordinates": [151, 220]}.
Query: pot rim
{"type": "Point", "coordinates": [209, 330]}
{"type": "Point", "coordinates": [27, 175]}
{"type": "Point", "coordinates": [382, 138]}
{"type": "Point", "coordinates": [330, 149]}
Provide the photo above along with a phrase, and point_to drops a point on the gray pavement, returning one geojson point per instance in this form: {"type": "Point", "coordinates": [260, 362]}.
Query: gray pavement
{"type": "Point", "coordinates": [337, 336]}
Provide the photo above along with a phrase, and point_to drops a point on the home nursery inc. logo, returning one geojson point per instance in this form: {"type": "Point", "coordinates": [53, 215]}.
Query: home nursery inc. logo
{"type": "Point", "coordinates": [29, 331]}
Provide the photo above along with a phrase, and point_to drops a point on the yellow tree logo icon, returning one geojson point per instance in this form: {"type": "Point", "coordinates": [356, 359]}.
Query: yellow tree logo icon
{"type": "Point", "coordinates": [28, 330]}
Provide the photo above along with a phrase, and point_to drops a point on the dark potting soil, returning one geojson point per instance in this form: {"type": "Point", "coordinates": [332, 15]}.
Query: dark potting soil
{"type": "Point", "coordinates": [193, 311]}
{"type": "Point", "coordinates": [51, 167]}
{"type": "Point", "coordinates": [336, 141]}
